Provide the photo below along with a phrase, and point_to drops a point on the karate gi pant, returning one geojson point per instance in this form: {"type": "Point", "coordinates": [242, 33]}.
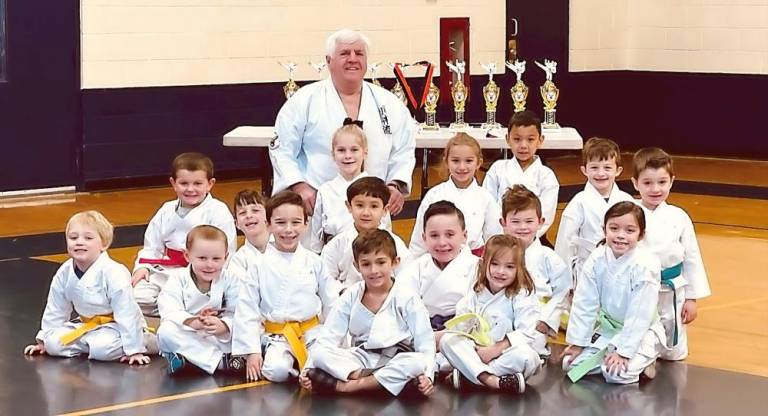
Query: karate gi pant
{"type": "Point", "coordinates": [204, 351]}
{"type": "Point", "coordinates": [145, 292]}
{"type": "Point", "coordinates": [667, 316]}
{"type": "Point", "coordinates": [645, 356]}
{"type": "Point", "coordinates": [393, 376]}
{"type": "Point", "coordinates": [102, 344]}
{"type": "Point", "coordinates": [279, 361]}
{"type": "Point", "coordinates": [460, 352]}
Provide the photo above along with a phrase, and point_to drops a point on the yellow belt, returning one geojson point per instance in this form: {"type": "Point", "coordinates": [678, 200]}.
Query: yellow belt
{"type": "Point", "coordinates": [294, 334]}
{"type": "Point", "coordinates": [88, 325]}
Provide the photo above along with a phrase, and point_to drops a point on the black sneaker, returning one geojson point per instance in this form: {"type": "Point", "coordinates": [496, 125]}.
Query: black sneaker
{"type": "Point", "coordinates": [235, 363]}
{"type": "Point", "coordinates": [514, 383]}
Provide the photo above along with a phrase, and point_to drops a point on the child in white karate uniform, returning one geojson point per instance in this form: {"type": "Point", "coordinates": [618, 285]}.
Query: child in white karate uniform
{"type": "Point", "coordinates": [98, 289]}
{"type": "Point", "coordinates": [251, 219]}
{"type": "Point", "coordinates": [581, 224]}
{"type": "Point", "coordinates": [197, 306]}
{"type": "Point", "coordinates": [281, 301]}
{"type": "Point", "coordinates": [525, 168]}
{"type": "Point", "coordinates": [551, 276]}
{"type": "Point", "coordinates": [493, 341]}
{"type": "Point", "coordinates": [462, 157]}
{"type": "Point", "coordinates": [444, 274]}
{"type": "Point", "coordinates": [671, 237]}
{"type": "Point", "coordinates": [367, 198]}
{"type": "Point", "coordinates": [165, 237]}
{"type": "Point", "coordinates": [392, 343]}
{"type": "Point", "coordinates": [331, 216]}
{"type": "Point", "coordinates": [614, 328]}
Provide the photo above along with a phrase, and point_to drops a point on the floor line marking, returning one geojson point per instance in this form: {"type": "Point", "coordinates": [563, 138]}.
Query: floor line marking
{"type": "Point", "coordinates": [164, 399]}
{"type": "Point", "coordinates": [731, 304]}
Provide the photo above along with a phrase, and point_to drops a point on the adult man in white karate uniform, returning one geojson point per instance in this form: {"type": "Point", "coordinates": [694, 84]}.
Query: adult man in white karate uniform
{"type": "Point", "coordinates": [301, 155]}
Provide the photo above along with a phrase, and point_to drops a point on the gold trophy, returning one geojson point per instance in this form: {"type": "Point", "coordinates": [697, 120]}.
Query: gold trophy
{"type": "Point", "coordinates": [398, 88]}
{"type": "Point", "coordinates": [459, 94]}
{"type": "Point", "coordinates": [550, 94]}
{"type": "Point", "coordinates": [519, 90]}
{"type": "Point", "coordinates": [291, 86]}
{"type": "Point", "coordinates": [491, 96]}
{"type": "Point", "coordinates": [430, 108]}
{"type": "Point", "coordinates": [373, 68]}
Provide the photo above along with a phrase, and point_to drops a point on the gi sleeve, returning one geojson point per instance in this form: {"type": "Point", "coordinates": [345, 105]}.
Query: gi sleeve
{"type": "Point", "coordinates": [125, 310]}
{"type": "Point", "coordinates": [248, 321]}
{"type": "Point", "coordinates": [586, 304]}
{"type": "Point", "coordinates": [58, 308]}
{"type": "Point", "coordinates": [550, 188]}
{"type": "Point", "coordinates": [290, 126]}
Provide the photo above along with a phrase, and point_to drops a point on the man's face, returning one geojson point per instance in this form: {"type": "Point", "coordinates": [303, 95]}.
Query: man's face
{"type": "Point", "coordinates": [349, 62]}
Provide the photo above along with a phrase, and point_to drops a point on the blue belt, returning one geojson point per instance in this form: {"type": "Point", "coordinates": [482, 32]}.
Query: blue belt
{"type": "Point", "coordinates": [666, 279]}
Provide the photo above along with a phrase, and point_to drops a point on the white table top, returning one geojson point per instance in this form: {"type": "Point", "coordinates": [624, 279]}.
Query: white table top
{"type": "Point", "coordinates": [562, 138]}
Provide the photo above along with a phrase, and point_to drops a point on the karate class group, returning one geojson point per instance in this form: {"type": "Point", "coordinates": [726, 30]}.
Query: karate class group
{"type": "Point", "coordinates": [327, 296]}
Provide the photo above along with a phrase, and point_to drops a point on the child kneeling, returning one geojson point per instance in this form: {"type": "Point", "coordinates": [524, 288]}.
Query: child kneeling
{"type": "Point", "coordinates": [197, 306]}
{"type": "Point", "coordinates": [614, 328]}
{"type": "Point", "coordinates": [493, 341]}
{"type": "Point", "coordinates": [392, 342]}
{"type": "Point", "coordinates": [98, 289]}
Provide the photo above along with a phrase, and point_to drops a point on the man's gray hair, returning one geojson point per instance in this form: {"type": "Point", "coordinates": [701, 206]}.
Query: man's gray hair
{"type": "Point", "coordinates": [345, 36]}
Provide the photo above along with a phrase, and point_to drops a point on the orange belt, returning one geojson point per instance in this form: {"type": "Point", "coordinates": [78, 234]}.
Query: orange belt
{"type": "Point", "coordinates": [294, 334]}
{"type": "Point", "coordinates": [88, 325]}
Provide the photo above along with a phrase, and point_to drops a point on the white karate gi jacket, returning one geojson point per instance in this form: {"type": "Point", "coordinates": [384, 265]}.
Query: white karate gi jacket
{"type": "Point", "coordinates": [440, 290]}
{"type": "Point", "coordinates": [339, 263]}
{"type": "Point", "coordinates": [402, 318]}
{"type": "Point", "coordinates": [307, 121]}
{"type": "Point", "coordinates": [167, 229]}
{"type": "Point", "coordinates": [104, 289]}
{"type": "Point", "coordinates": [180, 299]}
{"type": "Point", "coordinates": [627, 289]}
{"type": "Point", "coordinates": [537, 178]}
{"type": "Point", "coordinates": [670, 235]}
{"type": "Point", "coordinates": [581, 224]}
{"type": "Point", "coordinates": [280, 290]}
{"type": "Point", "coordinates": [331, 215]}
{"type": "Point", "coordinates": [513, 318]}
{"type": "Point", "coordinates": [553, 280]}
{"type": "Point", "coordinates": [481, 213]}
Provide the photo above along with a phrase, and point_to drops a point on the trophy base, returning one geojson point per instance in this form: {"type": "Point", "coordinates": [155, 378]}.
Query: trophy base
{"type": "Point", "coordinates": [459, 127]}
{"type": "Point", "coordinates": [490, 126]}
{"type": "Point", "coordinates": [429, 127]}
{"type": "Point", "coordinates": [550, 126]}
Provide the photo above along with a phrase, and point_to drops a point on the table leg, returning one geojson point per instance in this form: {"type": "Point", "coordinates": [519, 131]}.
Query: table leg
{"type": "Point", "coordinates": [266, 176]}
{"type": "Point", "coordinates": [424, 172]}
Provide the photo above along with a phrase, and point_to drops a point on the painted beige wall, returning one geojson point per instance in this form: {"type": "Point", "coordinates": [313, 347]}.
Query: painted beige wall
{"type": "Point", "coordinates": [132, 43]}
{"type": "Point", "coordinates": [728, 36]}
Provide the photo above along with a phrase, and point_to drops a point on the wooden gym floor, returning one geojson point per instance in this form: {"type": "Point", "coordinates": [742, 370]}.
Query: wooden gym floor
{"type": "Point", "coordinates": [727, 199]}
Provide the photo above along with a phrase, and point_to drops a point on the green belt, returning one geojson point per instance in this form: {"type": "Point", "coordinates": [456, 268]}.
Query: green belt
{"type": "Point", "coordinates": [666, 279]}
{"type": "Point", "coordinates": [610, 327]}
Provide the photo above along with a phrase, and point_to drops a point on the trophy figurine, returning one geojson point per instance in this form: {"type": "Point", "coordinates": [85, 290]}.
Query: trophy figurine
{"type": "Point", "coordinates": [319, 67]}
{"type": "Point", "coordinates": [459, 94]}
{"type": "Point", "coordinates": [550, 94]}
{"type": "Point", "coordinates": [491, 96]}
{"type": "Point", "coordinates": [519, 90]}
{"type": "Point", "coordinates": [373, 68]}
{"type": "Point", "coordinates": [398, 88]}
{"type": "Point", "coordinates": [430, 108]}
{"type": "Point", "coordinates": [290, 87]}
